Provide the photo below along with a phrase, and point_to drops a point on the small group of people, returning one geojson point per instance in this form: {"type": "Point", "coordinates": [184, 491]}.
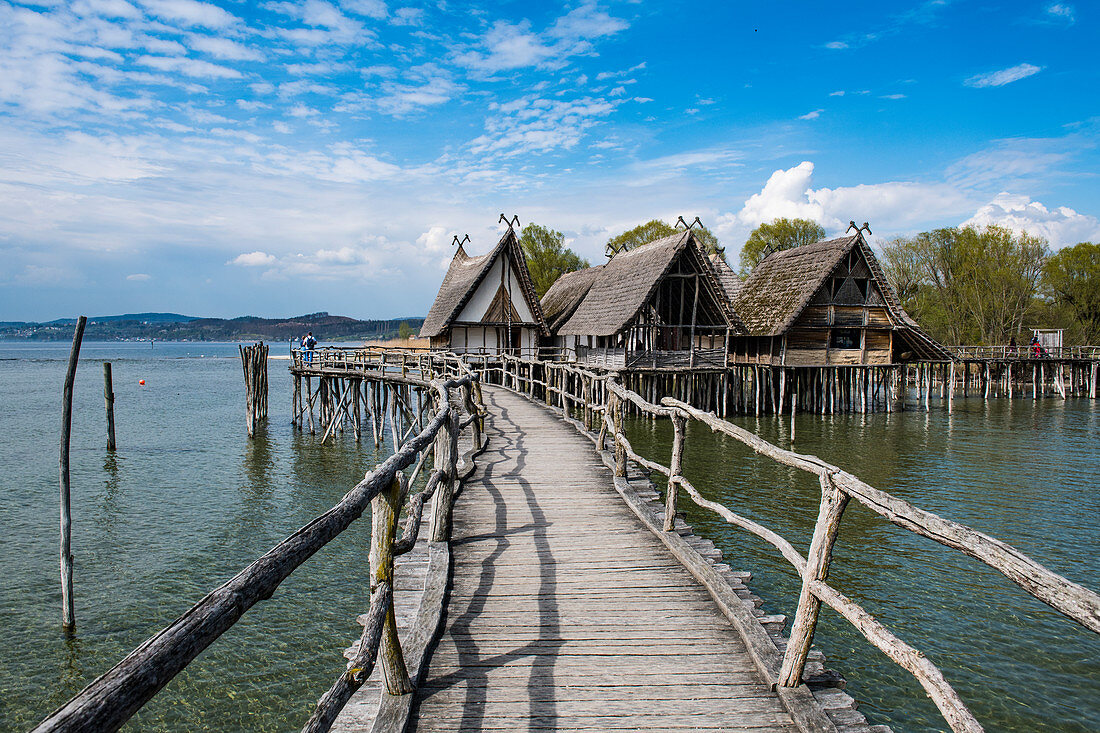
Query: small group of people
{"type": "Point", "coordinates": [1035, 347]}
{"type": "Point", "coordinates": [308, 343]}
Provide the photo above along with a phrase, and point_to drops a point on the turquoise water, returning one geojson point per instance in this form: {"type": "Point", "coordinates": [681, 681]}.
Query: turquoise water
{"type": "Point", "coordinates": [188, 500]}
{"type": "Point", "coordinates": [1025, 471]}
{"type": "Point", "coordinates": [185, 503]}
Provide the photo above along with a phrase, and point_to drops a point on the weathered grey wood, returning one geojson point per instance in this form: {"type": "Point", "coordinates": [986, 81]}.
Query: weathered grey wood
{"type": "Point", "coordinates": [68, 609]}
{"type": "Point", "coordinates": [110, 700]}
{"type": "Point", "coordinates": [384, 509]}
{"type": "Point", "coordinates": [675, 466]}
{"type": "Point", "coordinates": [541, 605]}
{"type": "Point", "coordinates": [360, 665]}
{"type": "Point", "coordinates": [833, 502]}
{"type": "Point", "coordinates": [109, 400]}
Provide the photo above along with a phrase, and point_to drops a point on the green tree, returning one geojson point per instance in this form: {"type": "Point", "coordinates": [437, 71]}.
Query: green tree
{"type": "Point", "coordinates": [656, 229]}
{"type": "Point", "coordinates": [968, 285]}
{"type": "Point", "coordinates": [1072, 276]}
{"type": "Point", "coordinates": [403, 331]}
{"type": "Point", "coordinates": [547, 256]}
{"type": "Point", "coordinates": [778, 234]}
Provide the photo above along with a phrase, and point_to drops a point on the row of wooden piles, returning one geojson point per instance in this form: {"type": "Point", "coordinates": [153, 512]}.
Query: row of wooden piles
{"type": "Point", "coordinates": [254, 363]}
{"type": "Point", "coordinates": [333, 404]}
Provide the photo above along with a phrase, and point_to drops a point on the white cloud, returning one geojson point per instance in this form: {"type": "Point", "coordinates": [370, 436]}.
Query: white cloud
{"type": "Point", "coordinates": [1060, 226]}
{"type": "Point", "coordinates": [254, 259]}
{"type": "Point", "coordinates": [223, 48]}
{"type": "Point", "coordinates": [191, 13]}
{"type": "Point", "coordinates": [898, 205]}
{"type": "Point", "coordinates": [514, 45]}
{"type": "Point", "coordinates": [370, 8]}
{"type": "Point", "coordinates": [836, 45]}
{"type": "Point", "coordinates": [189, 67]}
{"type": "Point", "coordinates": [1061, 12]}
{"type": "Point", "coordinates": [811, 115]}
{"type": "Point", "coordinates": [892, 96]}
{"type": "Point", "coordinates": [1002, 77]}
{"type": "Point", "coordinates": [539, 125]}
{"type": "Point", "coordinates": [434, 240]}
{"type": "Point", "coordinates": [839, 93]}
{"type": "Point", "coordinates": [139, 277]}
{"type": "Point", "coordinates": [408, 16]}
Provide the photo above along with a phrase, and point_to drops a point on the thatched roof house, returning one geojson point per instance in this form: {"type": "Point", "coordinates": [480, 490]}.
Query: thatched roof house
{"type": "Point", "coordinates": [487, 304]}
{"type": "Point", "coordinates": [660, 304]}
{"type": "Point", "coordinates": [826, 303]}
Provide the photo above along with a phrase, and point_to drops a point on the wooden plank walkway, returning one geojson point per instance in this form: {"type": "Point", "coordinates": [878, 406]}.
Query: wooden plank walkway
{"type": "Point", "coordinates": [566, 613]}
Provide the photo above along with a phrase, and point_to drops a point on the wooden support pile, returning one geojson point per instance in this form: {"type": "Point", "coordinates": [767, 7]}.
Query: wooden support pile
{"type": "Point", "coordinates": [254, 363]}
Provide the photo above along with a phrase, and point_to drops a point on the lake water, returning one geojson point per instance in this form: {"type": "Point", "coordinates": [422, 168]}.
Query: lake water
{"type": "Point", "coordinates": [1024, 471]}
{"type": "Point", "coordinates": [188, 500]}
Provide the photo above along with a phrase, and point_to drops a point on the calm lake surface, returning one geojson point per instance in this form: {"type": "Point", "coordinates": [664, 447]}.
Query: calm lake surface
{"type": "Point", "coordinates": [188, 500]}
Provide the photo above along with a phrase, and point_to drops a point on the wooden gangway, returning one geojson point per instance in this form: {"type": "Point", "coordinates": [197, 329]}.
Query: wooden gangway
{"type": "Point", "coordinates": [555, 587]}
{"type": "Point", "coordinates": [566, 612]}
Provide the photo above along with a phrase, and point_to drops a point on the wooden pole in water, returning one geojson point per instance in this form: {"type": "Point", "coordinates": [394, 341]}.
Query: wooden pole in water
{"type": "Point", "coordinates": [109, 399]}
{"type": "Point", "coordinates": [68, 611]}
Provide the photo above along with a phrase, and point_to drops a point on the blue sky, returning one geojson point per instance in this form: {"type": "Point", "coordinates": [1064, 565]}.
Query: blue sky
{"type": "Point", "coordinates": [278, 158]}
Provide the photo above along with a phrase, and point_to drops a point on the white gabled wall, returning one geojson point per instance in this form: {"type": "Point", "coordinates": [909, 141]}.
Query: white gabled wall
{"type": "Point", "coordinates": [487, 290]}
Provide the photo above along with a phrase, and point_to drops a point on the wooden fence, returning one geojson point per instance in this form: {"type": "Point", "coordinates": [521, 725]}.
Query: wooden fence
{"type": "Point", "coordinates": [111, 699]}
{"type": "Point", "coordinates": [599, 400]}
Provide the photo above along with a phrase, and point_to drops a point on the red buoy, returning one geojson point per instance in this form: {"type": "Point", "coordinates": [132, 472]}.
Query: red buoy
{"type": "Point", "coordinates": [141, 382]}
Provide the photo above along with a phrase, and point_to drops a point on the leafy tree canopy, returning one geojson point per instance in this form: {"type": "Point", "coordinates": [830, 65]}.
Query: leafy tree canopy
{"type": "Point", "coordinates": [778, 234]}
{"type": "Point", "coordinates": [404, 331]}
{"type": "Point", "coordinates": [656, 229]}
{"type": "Point", "coordinates": [547, 256]}
{"type": "Point", "coordinates": [1072, 276]}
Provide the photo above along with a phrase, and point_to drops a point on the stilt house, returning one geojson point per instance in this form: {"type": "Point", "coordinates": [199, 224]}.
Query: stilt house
{"type": "Point", "coordinates": [826, 304]}
{"type": "Point", "coordinates": [487, 304]}
{"type": "Point", "coordinates": [660, 305]}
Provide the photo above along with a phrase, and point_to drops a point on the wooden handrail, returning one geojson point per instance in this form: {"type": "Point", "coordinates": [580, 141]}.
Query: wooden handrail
{"type": "Point", "coordinates": [838, 486]}
{"type": "Point", "coordinates": [112, 698]}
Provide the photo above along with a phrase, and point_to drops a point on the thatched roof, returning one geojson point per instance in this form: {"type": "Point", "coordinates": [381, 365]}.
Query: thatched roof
{"type": "Point", "coordinates": [623, 285]}
{"type": "Point", "coordinates": [567, 292]}
{"type": "Point", "coordinates": [783, 284]}
{"type": "Point", "coordinates": [731, 283]}
{"type": "Point", "coordinates": [463, 277]}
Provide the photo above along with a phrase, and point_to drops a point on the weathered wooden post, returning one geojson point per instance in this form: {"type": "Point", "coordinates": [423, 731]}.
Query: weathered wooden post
{"type": "Point", "coordinates": [68, 611]}
{"type": "Point", "coordinates": [833, 502]}
{"type": "Point", "coordinates": [254, 365]}
{"type": "Point", "coordinates": [109, 399]}
{"type": "Point", "coordinates": [446, 461]}
{"type": "Point", "coordinates": [620, 448]}
{"type": "Point", "coordinates": [675, 470]}
{"type": "Point", "coordinates": [384, 509]}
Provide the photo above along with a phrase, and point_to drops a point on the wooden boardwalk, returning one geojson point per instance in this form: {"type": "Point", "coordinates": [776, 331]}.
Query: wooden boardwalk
{"type": "Point", "coordinates": [566, 613]}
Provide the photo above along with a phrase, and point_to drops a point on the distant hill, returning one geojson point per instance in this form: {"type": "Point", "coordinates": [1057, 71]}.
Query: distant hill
{"type": "Point", "coordinates": [138, 317]}
{"type": "Point", "coordinates": [175, 327]}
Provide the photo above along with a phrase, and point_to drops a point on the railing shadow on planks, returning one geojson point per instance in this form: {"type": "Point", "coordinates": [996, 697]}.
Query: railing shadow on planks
{"type": "Point", "coordinates": [600, 399]}
{"type": "Point", "coordinates": [452, 389]}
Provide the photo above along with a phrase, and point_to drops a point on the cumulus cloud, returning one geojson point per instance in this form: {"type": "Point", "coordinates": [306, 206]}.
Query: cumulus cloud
{"type": "Point", "coordinates": [139, 277]}
{"type": "Point", "coordinates": [1060, 225]}
{"type": "Point", "coordinates": [191, 13]}
{"type": "Point", "coordinates": [254, 259]}
{"type": "Point", "coordinates": [897, 204]}
{"type": "Point", "coordinates": [537, 125]}
{"type": "Point", "coordinates": [434, 240]}
{"type": "Point", "coordinates": [813, 115]}
{"type": "Point", "coordinates": [1061, 12]}
{"type": "Point", "coordinates": [1002, 77]}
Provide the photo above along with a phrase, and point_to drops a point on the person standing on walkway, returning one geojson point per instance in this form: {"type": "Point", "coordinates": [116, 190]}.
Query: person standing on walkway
{"type": "Point", "coordinates": [308, 343]}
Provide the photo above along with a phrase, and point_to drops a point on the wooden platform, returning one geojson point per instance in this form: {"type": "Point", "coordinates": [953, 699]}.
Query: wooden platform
{"type": "Point", "coordinates": [566, 613]}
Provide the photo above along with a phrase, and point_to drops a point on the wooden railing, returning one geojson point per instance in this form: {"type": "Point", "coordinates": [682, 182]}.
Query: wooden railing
{"type": "Point", "coordinates": [1025, 351]}
{"type": "Point", "coordinates": [110, 700]}
{"type": "Point", "coordinates": [573, 389]}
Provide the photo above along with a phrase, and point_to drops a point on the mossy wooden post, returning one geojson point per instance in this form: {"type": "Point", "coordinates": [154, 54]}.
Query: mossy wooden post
{"type": "Point", "coordinates": [620, 448]}
{"type": "Point", "coordinates": [446, 461]}
{"type": "Point", "coordinates": [109, 400]}
{"type": "Point", "coordinates": [384, 510]}
{"type": "Point", "coordinates": [679, 422]}
{"type": "Point", "coordinates": [833, 502]}
{"type": "Point", "coordinates": [68, 611]}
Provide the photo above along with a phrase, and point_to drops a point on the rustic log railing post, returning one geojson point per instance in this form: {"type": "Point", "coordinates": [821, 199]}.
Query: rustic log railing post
{"type": "Point", "coordinates": [384, 510]}
{"type": "Point", "coordinates": [446, 461]}
{"type": "Point", "coordinates": [833, 502]}
{"type": "Point", "coordinates": [109, 400]}
{"type": "Point", "coordinates": [68, 612]}
{"type": "Point", "coordinates": [679, 422]}
{"type": "Point", "coordinates": [620, 448]}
